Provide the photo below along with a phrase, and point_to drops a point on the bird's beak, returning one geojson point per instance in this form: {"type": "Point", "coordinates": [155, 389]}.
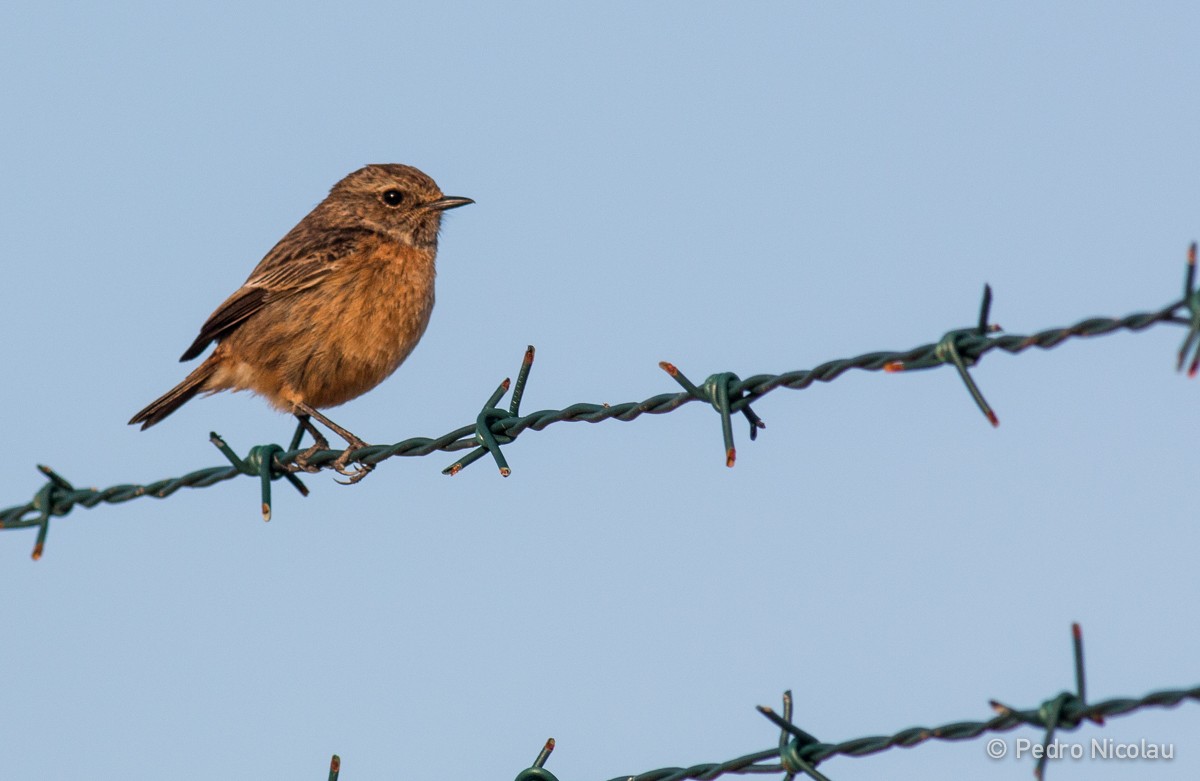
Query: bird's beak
{"type": "Point", "coordinates": [448, 202]}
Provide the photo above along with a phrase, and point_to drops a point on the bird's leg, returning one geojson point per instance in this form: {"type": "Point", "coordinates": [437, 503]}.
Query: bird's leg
{"type": "Point", "coordinates": [319, 443]}
{"type": "Point", "coordinates": [360, 471]}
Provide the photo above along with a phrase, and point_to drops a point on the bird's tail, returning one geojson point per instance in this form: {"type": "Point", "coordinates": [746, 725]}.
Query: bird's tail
{"type": "Point", "coordinates": [176, 397]}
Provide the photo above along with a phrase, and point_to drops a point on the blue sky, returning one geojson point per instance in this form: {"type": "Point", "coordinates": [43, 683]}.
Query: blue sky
{"type": "Point", "coordinates": [753, 189]}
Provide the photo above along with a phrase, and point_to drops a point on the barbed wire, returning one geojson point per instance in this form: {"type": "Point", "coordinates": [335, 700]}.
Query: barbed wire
{"type": "Point", "coordinates": [727, 393]}
{"type": "Point", "coordinates": [799, 753]}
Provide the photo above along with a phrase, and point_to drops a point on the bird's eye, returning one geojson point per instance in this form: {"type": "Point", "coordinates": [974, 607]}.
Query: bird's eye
{"type": "Point", "coordinates": [393, 197]}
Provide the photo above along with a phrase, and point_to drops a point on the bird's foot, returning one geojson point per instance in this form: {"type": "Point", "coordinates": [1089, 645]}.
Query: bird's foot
{"type": "Point", "coordinates": [304, 414]}
{"type": "Point", "coordinates": [360, 469]}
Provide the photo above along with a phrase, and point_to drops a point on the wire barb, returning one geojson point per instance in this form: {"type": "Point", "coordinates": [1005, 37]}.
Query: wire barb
{"type": "Point", "coordinates": [948, 352]}
{"type": "Point", "coordinates": [1067, 710]}
{"type": "Point", "coordinates": [44, 501]}
{"type": "Point", "coordinates": [489, 416]}
{"type": "Point", "coordinates": [260, 462]}
{"type": "Point", "coordinates": [1191, 300]}
{"type": "Point", "coordinates": [790, 750]}
{"type": "Point", "coordinates": [721, 391]}
{"type": "Point", "coordinates": [335, 764]}
{"type": "Point", "coordinates": [1080, 683]}
{"type": "Point", "coordinates": [537, 771]}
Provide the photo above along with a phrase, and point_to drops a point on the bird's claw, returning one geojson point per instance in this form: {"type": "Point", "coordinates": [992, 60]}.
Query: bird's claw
{"type": "Point", "coordinates": [359, 471]}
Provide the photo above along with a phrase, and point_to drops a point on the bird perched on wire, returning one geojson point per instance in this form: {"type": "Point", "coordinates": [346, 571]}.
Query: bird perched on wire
{"type": "Point", "coordinates": [332, 310]}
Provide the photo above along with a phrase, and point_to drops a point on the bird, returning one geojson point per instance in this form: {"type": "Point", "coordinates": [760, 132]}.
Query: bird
{"type": "Point", "coordinates": [331, 311]}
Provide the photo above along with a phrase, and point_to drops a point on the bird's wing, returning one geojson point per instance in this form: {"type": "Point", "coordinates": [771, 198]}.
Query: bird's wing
{"type": "Point", "coordinates": [293, 265]}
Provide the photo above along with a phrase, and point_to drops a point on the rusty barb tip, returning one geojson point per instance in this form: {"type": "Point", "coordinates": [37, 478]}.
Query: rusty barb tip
{"type": "Point", "coordinates": [544, 754]}
{"type": "Point", "coordinates": [668, 367]}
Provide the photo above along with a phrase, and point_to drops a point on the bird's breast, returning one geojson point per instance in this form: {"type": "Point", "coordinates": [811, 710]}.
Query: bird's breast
{"type": "Point", "coordinates": [376, 309]}
{"type": "Point", "coordinates": [331, 342]}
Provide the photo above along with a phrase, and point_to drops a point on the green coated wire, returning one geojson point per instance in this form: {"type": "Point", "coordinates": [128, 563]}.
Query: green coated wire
{"type": "Point", "coordinates": [496, 426]}
{"type": "Point", "coordinates": [1065, 712]}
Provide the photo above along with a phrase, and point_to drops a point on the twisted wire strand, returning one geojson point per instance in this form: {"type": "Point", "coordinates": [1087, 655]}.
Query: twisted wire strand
{"type": "Point", "coordinates": [1072, 717]}
{"type": "Point", "coordinates": [972, 347]}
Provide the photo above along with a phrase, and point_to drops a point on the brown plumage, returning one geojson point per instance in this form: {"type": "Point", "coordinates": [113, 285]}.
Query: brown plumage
{"type": "Point", "coordinates": [332, 310]}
